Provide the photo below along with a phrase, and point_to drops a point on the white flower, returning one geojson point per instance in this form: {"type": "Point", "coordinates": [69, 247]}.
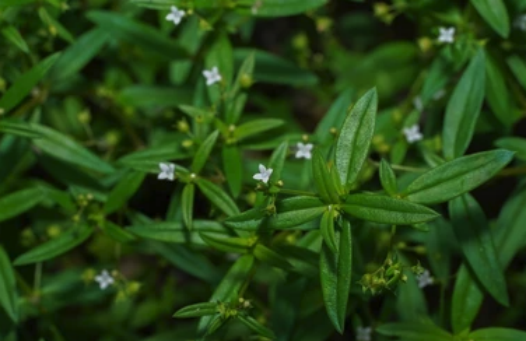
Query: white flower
{"type": "Point", "coordinates": [447, 35]}
{"type": "Point", "coordinates": [104, 279]}
{"type": "Point", "coordinates": [418, 104]}
{"type": "Point", "coordinates": [520, 22]}
{"type": "Point", "coordinates": [304, 150]}
{"type": "Point", "coordinates": [167, 171]}
{"type": "Point", "coordinates": [175, 15]}
{"type": "Point", "coordinates": [424, 279]}
{"type": "Point", "coordinates": [363, 333]}
{"type": "Point", "coordinates": [212, 76]}
{"type": "Point", "coordinates": [413, 134]}
{"type": "Point", "coordinates": [264, 174]}
{"type": "Point", "coordinates": [439, 94]}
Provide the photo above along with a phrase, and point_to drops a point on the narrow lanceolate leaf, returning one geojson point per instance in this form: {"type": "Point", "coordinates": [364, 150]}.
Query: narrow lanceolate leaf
{"type": "Point", "coordinates": [19, 202]}
{"type": "Point", "coordinates": [467, 299]}
{"type": "Point", "coordinates": [495, 14]}
{"type": "Point", "coordinates": [245, 72]}
{"type": "Point", "coordinates": [202, 154]}
{"type": "Point", "coordinates": [355, 137]}
{"type": "Point", "coordinates": [64, 148]}
{"type": "Point", "coordinates": [334, 117]}
{"type": "Point", "coordinates": [497, 93]}
{"type": "Point", "coordinates": [229, 288]}
{"type": "Point", "coordinates": [197, 310]}
{"type": "Point", "coordinates": [277, 161]}
{"type": "Point", "coordinates": [278, 8]}
{"type": "Point", "coordinates": [456, 177]}
{"type": "Point", "coordinates": [125, 189]}
{"type": "Point", "coordinates": [327, 229]}
{"type": "Point", "coordinates": [233, 167]}
{"type": "Point", "coordinates": [518, 67]}
{"type": "Point", "coordinates": [218, 197]}
{"type": "Point", "coordinates": [271, 257]}
{"type": "Point", "coordinates": [13, 35]}
{"type": "Point", "coordinates": [25, 83]}
{"type": "Point", "coordinates": [415, 331]}
{"type": "Point", "coordinates": [228, 244]}
{"type": "Point", "coordinates": [497, 334]}
{"type": "Point", "coordinates": [476, 240]}
{"type": "Point", "coordinates": [174, 232]}
{"type": "Point", "coordinates": [117, 233]}
{"type": "Point", "coordinates": [18, 127]}
{"type": "Point", "coordinates": [255, 127]}
{"type": "Point", "coordinates": [55, 247]}
{"type": "Point", "coordinates": [388, 178]}
{"type": "Point", "coordinates": [257, 327]}
{"type": "Point", "coordinates": [8, 292]}
{"type": "Point", "coordinates": [463, 108]}
{"type": "Point", "coordinates": [335, 274]}
{"type": "Point", "coordinates": [387, 210]}
{"type": "Point", "coordinates": [187, 204]}
{"type": "Point", "coordinates": [323, 180]}
{"type": "Point", "coordinates": [516, 144]}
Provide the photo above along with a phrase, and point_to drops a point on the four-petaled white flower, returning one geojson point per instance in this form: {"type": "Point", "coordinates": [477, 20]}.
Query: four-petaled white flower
{"type": "Point", "coordinates": [264, 174]}
{"type": "Point", "coordinates": [167, 171]}
{"type": "Point", "coordinates": [304, 150]}
{"type": "Point", "coordinates": [363, 333]}
{"type": "Point", "coordinates": [413, 134]}
{"type": "Point", "coordinates": [175, 15]}
{"type": "Point", "coordinates": [104, 279]}
{"type": "Point", "coordinates": [447, 35]}
{"type": "Point", "coordinates": [424, 279]}
{"type": "Point", "coordinates": [418, 104]}
{"type": "Point", "coordinates": [520, 22]}
{"type": "Point", "coordinates": [212, 76]}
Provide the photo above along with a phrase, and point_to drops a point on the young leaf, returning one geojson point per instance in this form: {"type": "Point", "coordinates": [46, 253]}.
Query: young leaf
{"type": "Point", "coordinates": [228, 244]}
{"type": "Point", "coordinates": [323, 179]}
{"type": "Point", "coordinates": [25, 83]}
{"type": "Point", "coordinates": [335, 274]}
{"type": "Point", "coordinates": [202, 154]}
{"type": "Point", "coordinates": [257, 327]}
{"type": "Point", "coordinates": [387, 210]}
{"type": "Point", "coordinates": [327, 230]}
{"type": "Point", "coordinates": [187, 204]}
{"type": "Point", "coordinates": [233, 167]}
{"type": "Point", "coordinates": [271, 257]}
{"type": "Point", "coordinates": [475, 238]}
{"type": "Point", "coordinates": [254, 127]}
{"type": "Point", "coordinates": [55, 25]}
{"type": "Point", "coordinates": [355, 137]}
{"type": "Point", "coordinates": [497, 334]}
{"type": "Point", "coordinates": [277, 161]}
{"type": "Point", "coordinates": [463, 108]}
{"type": "Point", "coordinates": [495, 14]}
{"type": "Point", "coordinates": [8, 292]}
{"type": "Point", "coordinates": [55, 247]}
{"type": "Point", "coordinates": [218, 197]}
{"type": "Point", "coordinates": [125, 189]}
{"type": "Point", "coordinates": [388, 178]}
{"type": "Point", "coordinates": [197, 310]}
{"type": "Point", "coordinates": [456, 177]}
{"type": "Point", "coordinates": [19, 202]}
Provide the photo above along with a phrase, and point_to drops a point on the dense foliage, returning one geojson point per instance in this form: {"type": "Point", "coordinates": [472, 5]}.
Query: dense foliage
{"type": "Point", "coordinates": [262, 170]}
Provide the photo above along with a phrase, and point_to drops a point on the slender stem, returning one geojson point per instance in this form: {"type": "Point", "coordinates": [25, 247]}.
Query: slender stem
{"type": "Point", "coordinates": [402, 168]}
{"type": "Point", "coordinates": [296, 192]}
{"type": "Point", "coordinates": [512, 171]}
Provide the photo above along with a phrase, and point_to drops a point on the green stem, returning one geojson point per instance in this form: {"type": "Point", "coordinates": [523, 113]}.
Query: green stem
{"type": "Point", "coordinates": [512, 171]}
{"type": "Point", "coordinates": [296, 192]}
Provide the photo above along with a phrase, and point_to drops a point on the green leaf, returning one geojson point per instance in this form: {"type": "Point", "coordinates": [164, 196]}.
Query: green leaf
{"type": "Point", "coordinates": [257, 327]}
{"type": "Point", "coordinates": [148, 96]}
{"type": "Point", "coordinates": [64, 148]}
{"type": "Point", "coordinates": [467, 300]}
{"type": "Point", "coordinates": [457, 177]}
{"type": "Point", "coordinates": [273, 69]}
{"type": "Point", "coordinates": [388, 178]}
{"type": "Point", "coordinates": [19, 202]}
{"type": "Point", "coordinates": [117, 233]}
{"type": "Point", "coordinates": [475, 238]}
{"type": "Point", "coordinates": [13, 35]}
{"type": "Point", "coordinates": [138, 34]}
{"type": "Point", "coordinates": [187, 204]}
{"type": "Point", "coordinates": [516, 144]}
{"type": "Point", "coordinates": [355, 137]}
{"type": "Point", "coordinates": [8, 292]}
{"type": "Point", "coordinates": [495, 14]}
{"type": "Point", "coordinates": [148, 160]}
{"type": "Point", "coordinates": [497, 93]}
{"type": "Point", "coordinates": [277, 161]}
{"type": "Point", "coordinates": [174, 232]}
{"type": "Point", "coordinates": [463, 108]}
{"type": "Point", "coordinates": [323, 179]}
{"type": "Point", "coordinates": [202, 154]}
{"type": "Point", "coordinates": [518, 67]}
{"type": "Point", "coordinates": [334, 117]}
{"type": "Point", "coordinates": [220, 55]}
{"type": "Point", "coordinates": [7, 3]}
{"type": "Point", "coordinates": [335, 274]}
{"type": "Point", "coordinates": [387, 210]}
{"type": "Point", "coordinates": [497, 334]}
{"type": "Point", "coordinates": [233, 167]}
{"type": "Point", "coordinates": [229, 288]}
{"type": "Point", "coordinates": [54, 25]}
{"type": "Point", "coordinates": [25, 83]}
{"type": "Point", "coordinates": [78, 54]}
{"type": "Point", "coordinates": [246, 71]}
{"type": "Point", "coordinates": [19, 128]}
{"type": "Point", "coordinates": [327, 229]}
{"type": "Point", "coordinates": [123, 191]}
{"type": "Point", "coordinates": [55, 247]}
{"type": "Point", "coordinates": [280, 8]}
{"type": "Point", "coordinates": [271, 257]}
{"type": "Point", "coordinates": [415, 331]}
{"type": "Point", "coordinates": [218, 197]}
{"type": "Point", "coordinates": [254, 127]}
{"type": "Point", "coordinates": [197, 310]}
{"type": "Point", "coordinates": [228, 244]}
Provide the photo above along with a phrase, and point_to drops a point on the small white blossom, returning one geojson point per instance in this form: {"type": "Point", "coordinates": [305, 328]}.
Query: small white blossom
{"type": "Point", "coordinates": [212, 76]}
{"type": "Point", "coordinates": [418, 104]}
{"type": "Point", "coordinates": [175, 15]}
{"type": "Point", "coordinates": [264, 174]}
{"type": "Point", "coordinates": [167, 171]}
{"type": "Point", "coordinates": [363, 333]}
{"type": "Point", "coordinates": [424, 279]}
{"type": "Point", "coordinates": [304, 150]}
{"type": "Point", "coordinates": [413, 134]}
{"type": "Point", "coordinates": [439, 94]}
{"type": "Point", "coordinates": [520, 22]}
{"type": "Point", "coordinates": [104, 279]}
{"type": "Point", "coordinates": [447, 35]}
